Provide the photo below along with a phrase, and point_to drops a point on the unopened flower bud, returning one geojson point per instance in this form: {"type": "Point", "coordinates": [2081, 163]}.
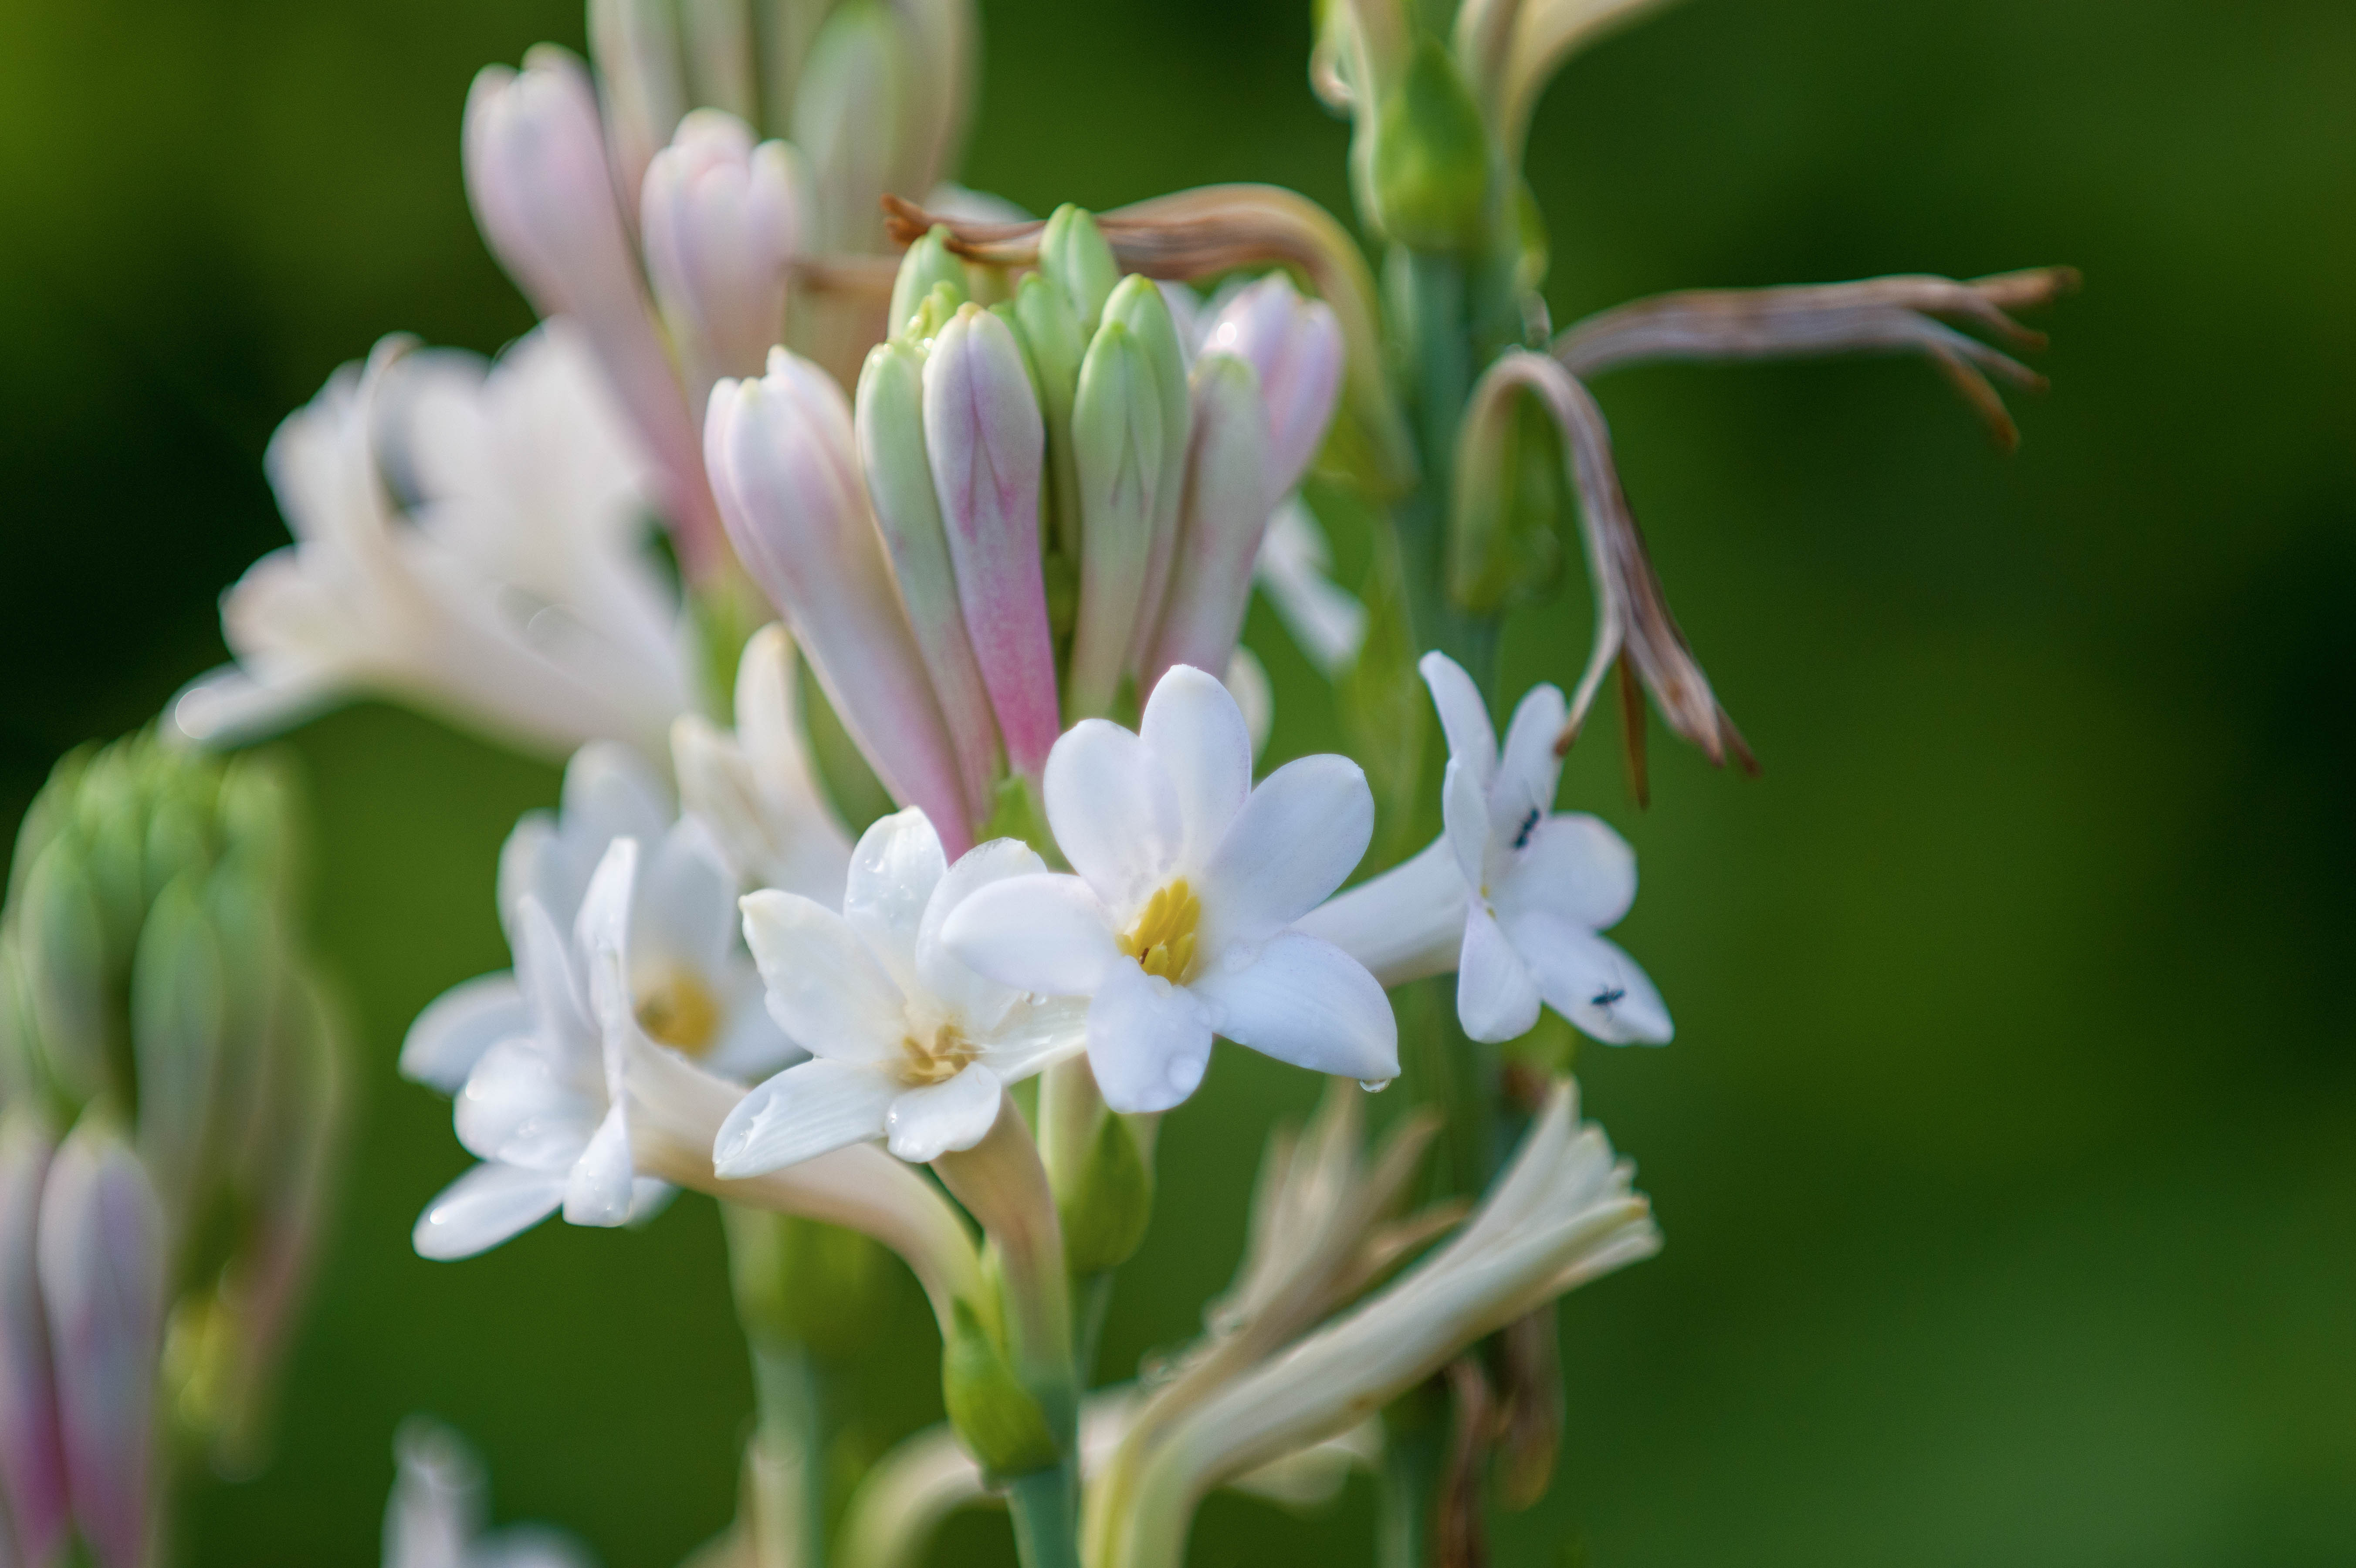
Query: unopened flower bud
{"type": "Point", "coordinates": [65, 965]}
{"type": "Point", "coordinates": [1227, 509]}
{"type": "Point", "coordinates": [1074, 258]}
{"type": "Point", "coordinates": [1107, 1204]}
{"type": "Point", "coordinates": [33, 1496]}
{"type": "Point", "coordinates": [847, 109]}
{"type": "Point", "coordinates": [986, 443]}
{"type": "Point", "coordinates": [1138, 305]}
{"type": "Point", "coordinates": [1510, 502]}
{"type": "Point", "coordinates": [636, 45]}
{"type": "Point", "coordinates": [930, 264]}
{"type": "Point", "coordinates": [1295, 345]}
{"type": "Point", "coordinates": [786, 466]}
{"type": "Point", "coordinates": [802, 1282]}
{"type": "Point", "coordinates": [177, 1015]}
{"type": "Point", "coordinates": [890, 422]}
{"type": "Point", "coordinates": [101, 1259]}
{"type": "Point", "coordinates": [1051, 333]}
{"type": "Point", "coordinates": [1431, 157]}
{"type": "Point", "coordinates": [1117, 434]}
{"type": "Point", "coordinates": [993, 1414]}
{"type": "Point", "coordinates": [723, 221]}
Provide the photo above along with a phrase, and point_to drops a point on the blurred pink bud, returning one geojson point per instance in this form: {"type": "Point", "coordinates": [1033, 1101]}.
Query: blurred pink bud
{"type": "Point", "coordinates": [787, 472]}
{"type": "Point", "coordinates": [1227, 503]}
{"type": "Point", "coordinates": [101, 1259]}
{"type": "Point", "coordinates": [1296, 345]}
{"type": "Point", "coordinates": [536, 172]}
{"type": "Point", "coordinates": [987, 443]}
{"type": "Point", "coordinates": [722, 219]}
{"type": "Point", "coordinates": [32, 1467]}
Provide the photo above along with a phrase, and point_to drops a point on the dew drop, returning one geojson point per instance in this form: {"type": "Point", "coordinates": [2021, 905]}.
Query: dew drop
{"type": "Point", "coordinates": [1376, 1085]}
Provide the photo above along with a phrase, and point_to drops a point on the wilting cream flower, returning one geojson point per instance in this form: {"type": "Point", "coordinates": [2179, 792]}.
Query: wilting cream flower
{"type": "Point", "coordinates": [1179, 925]}
{"type": "Point", "coordinates": [1513, 894]}
{"type": "Point", "coordinates": [910, 1045]}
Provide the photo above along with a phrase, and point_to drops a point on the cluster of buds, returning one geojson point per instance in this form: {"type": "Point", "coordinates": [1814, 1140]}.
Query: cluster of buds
{"type": "Point", "coordinates": [170, 1098]}
{"type": "Point", "coordinates": [1034, 509]}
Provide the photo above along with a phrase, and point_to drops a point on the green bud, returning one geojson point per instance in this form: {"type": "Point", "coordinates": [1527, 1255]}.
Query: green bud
{"type": "Point", "coordinates": [1050, 331]}
{"type": "Point", "coordinates": [798, 1281]}
{"type": "Point", "coordinates": [62, 932]}
{"type": "Point", "coordinates": [1106, 1210]}
{"type": "Point", "coordinates": [992, 1411]}
{"type": "Point", "coordinates": [929, 266]}
{"type": "Point", "coordinates": [1431, 157]}
{"type": "Point", "coordinates": [262, 819]}
{"type": "Point", "coordinates": [1511, 497]}
{"type": "Point", "coordinates": [1074, 257]}
{"type": "Point", "coordinates": [931, 314]}
{"type": "Point", "coordinates": [1138, 305]}
{"type": "Point", "coordinates": [51, 813]}
{"type": "Point", "coordinates": [177, 1008]}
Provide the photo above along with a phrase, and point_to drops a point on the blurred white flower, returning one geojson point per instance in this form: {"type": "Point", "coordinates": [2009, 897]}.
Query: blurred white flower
{"type": "Point", "coordinates": [1295, 570]}
{"type": "Point", "coordinates": [434, 1518]}
{"type": "Point", "coordinates": [468, 539]}
{"type": "Point", "coordinates": [1513, 895]}
{"type": "Point", "coordinates": [910, 1045]}
{"type": "Point", "coordinates": [753, 789]}
{"type": "Point", "coordinates": [1180, 922]}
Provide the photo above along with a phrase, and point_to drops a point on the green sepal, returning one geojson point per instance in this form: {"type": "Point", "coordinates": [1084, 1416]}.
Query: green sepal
{"type": "Point", "coordinates": [993, 1414]}
{"type": "Point", "coordinates": [1431, 157]}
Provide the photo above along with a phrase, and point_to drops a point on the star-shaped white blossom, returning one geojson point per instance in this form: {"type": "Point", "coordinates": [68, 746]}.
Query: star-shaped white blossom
{"type": "Point", "coordinates": [1514, 894]}
{"type": "Point", "coordinates": [1179, 925]}
{"type": "Point", "coordinates": [909, 1044]}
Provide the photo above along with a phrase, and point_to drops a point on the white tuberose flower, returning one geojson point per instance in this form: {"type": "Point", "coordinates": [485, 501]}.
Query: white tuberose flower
{"type": "Point", "coordinates": [910, 1044]}
{"type": "Point", "coordinates": [1510, 896]}
{"type": "Point", "coordinates": [1180, 923]}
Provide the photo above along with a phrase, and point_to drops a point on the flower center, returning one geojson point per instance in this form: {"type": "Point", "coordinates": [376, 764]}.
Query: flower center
{"type": "Point", "coordinates": [936, 1058]}
{"type": "Point", "coordinates": [680, 1010]}
{"type": "Point", "coordinates": [1162, 940]}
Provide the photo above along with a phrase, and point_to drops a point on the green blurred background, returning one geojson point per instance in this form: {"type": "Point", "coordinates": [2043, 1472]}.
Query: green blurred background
{"type": "Point", "coordinates": [2006, 1152]}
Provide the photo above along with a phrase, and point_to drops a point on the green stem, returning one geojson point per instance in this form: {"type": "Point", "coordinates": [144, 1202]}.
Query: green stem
{"type": "Point", "coordinates": [790, 1415]}
{"type": "Point", "coordinates": [1044, 1504]}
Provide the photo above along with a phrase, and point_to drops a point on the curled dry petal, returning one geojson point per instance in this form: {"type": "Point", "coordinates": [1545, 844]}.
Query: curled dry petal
{"type": "Point", "coordinates": [1875, 316]}
{"type": "Point", "coordinates": [1633, 623]}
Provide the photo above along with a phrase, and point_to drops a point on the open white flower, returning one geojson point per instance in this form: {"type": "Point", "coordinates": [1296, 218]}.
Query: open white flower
{"type": "Point", "coordinates": [545, 1110]}
{"type": "Point", "coordinates": [1513, 894]}
{"type": "Point", "coordinates": [910, 1045]}
{"type": "Point", "coordinates": [1180, 923]}
{"type": "Point", "coordinates": [468, 540]}
{"type": "Point", "coordinates": [693, 986]}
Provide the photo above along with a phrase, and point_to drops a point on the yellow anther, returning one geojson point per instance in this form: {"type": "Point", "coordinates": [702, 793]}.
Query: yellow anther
{"type": "Point", "coordinates": [680, 1010]}
{"type": "Point", "coordinates": [1162, 940]}
{"type": "Point", "coordinates": [935, 1060]}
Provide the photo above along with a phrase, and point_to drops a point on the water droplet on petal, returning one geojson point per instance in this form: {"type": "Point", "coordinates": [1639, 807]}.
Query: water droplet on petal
{"type": "Point", "coordinates": [1376, 1085]}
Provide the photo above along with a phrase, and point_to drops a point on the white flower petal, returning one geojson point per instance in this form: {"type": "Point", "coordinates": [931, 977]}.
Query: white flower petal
{"type": "Point", "coordinates": [1309, 1003]}
{"type": "Point", "coordinates": [610, 792]}
{"type": "Point", "coordinates": [530, 1105]}
{"type": "Point", "coordinates": [981, 1003]}
{"type": "Point", "coordinates": [1523, 792]}
{"type": "Point", "coordinates": [1591, 982]}
{"type": "Point", "coordinates": [894, 868]}
{"type": "Point", "coordinates": [1403, 925]}
{"type": "Point", "coordinates": [484, 1208]}
{"type": "Point", "coordinates": [1574, 868]}
{"type": "Point", "coordinates": [1148, 1040]}
{"type": "Point", "coordinates": [1046, 933]}
{"type": "Point", "coordinates": [1196, 734]}
{"type": "Point", "coordinates": [1036, 1036]}
{"type": "Point", "coordinates": [750, 1046]}
{"type": "Point", "coordinates": [1113, 814]}
{"type": "Point", "coordinates": [1496, 999]}
{"type": "Point", "coordinates": [1463, 717]}
{"type": "Point", "coordinates": [685, 905]}
{"type": "Point", "coordinates": [825, 987]}
{"type": "Point", "coordinates": [600, 1189]}
{"type": "Point", "coordinates": [802, 1113]}
{"type": "Point", "coordinates": [456, 1027]}
{"type": "Point", "coordinates": [924, 1124]}
{"type": "Point", "coordinates": [1464, 808]}
{"type": "Point", "coordinates": [1299, 837]}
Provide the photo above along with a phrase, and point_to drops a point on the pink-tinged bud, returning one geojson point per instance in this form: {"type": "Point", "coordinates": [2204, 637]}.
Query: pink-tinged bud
{"type": "Point", "coordinates": [537, 176]}
{"type": "Point", "coordinates": [722, 220]}
{"type": "Point", "coordinates": [1228, 503]}
{"type": "Point", "coordinates": [987, 442]}
{"type": "Point", "coordinates": [890, 419]}
{"type": "Point", "coordinates": [32, 1465]}
{"type": "Point", "coordinates": [101, 1258]}
{"type": "Point", "coordinates": [785, 470]}
{"type": "Point", "coordinates": [1295, 345]}
{"type": "Point", "coordinates": [641, 84]}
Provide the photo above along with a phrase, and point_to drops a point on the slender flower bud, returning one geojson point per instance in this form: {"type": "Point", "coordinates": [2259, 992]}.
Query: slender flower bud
{"type": "Point", "coordinates": [786, 465]}
{"type": "Point", "coordinates": [890, 420]}
{"type": "Point", "coordinates": [537, 174]}
{"type": "Point", "coordinates": [1051, 333]}
{"type": "Point", "coordinates": [1227, 503]}
{"type": "Point", "coordinates": [928, 265]}
{"type": "Point", "coordinates": [985, 442]}
{"type": "Point", "coordinates": [63, 951]}
{"type": "Point", "coordinates": [101, 1258]}
{"type": "Point", "coordinates": [847, 111]}
{"type": "Point", "coordinates": [1430, 166]}
{"type": "Point", "coordinates": [1138, 305]}
{"type": "Point", "coordinates": [178, 1012]}
{"type": "Point", "coordinates": [722, 220]}
{"type": "Point", "coordinates": [1074, 258]}
{"type": "Point", "coordinates": [1116, 433]}
{"type": "Point", "coordinates": [1295, 345]}
{"type": "Point", "coordinates": [643, 88]}
{"type": "Point", "coordinates": [32, 1467]}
